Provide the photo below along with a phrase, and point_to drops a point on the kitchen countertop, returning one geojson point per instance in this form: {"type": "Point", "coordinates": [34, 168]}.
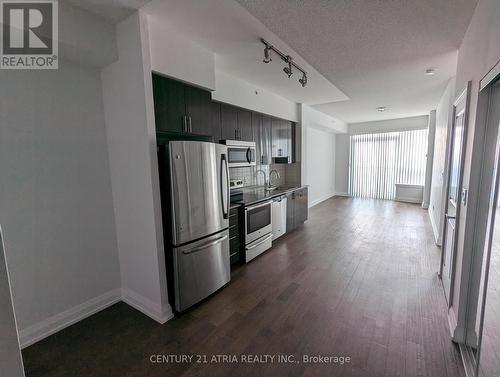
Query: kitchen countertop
{"type": "Point", "coordinates": [259, 194]}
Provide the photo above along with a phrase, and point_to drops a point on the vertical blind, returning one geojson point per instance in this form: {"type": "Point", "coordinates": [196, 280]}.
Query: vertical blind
{"type": "Point", "coordinates": [378, 161]}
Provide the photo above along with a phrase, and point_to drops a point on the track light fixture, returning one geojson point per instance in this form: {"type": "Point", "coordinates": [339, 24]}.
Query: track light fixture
{"type": "Point", "coordinates": [267, 55]}
{"type": "Point", "coordinates": [303, 80]}
{"type": "Point", "coordinates": [288, 68]}
{"type": "Point", "coordinates": [287, 59]}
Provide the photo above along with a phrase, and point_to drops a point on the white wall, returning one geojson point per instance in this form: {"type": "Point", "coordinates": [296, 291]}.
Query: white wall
{"type": "Point", "coordinates": [443, 119]}
{"type": "Point", "coordinates": [478, 53]}
{"type": "Point", "coordinates": [176, 56]}
{"type": "Point", "coordinates": [342, 165]}
{"type": "Point", "coordinates": [134, 172]}
{"type": "Point", "coordinates": [431, 135]}
{"type": "Point", "coordinates": [230, 89]}
{"type": "Point", "coordinates": [315, 118]}
{"type": "Point", "coordinates": [55, 200]}
{"type": "Point", "coordinates": [10, 355]}
{"type": "Point", "coordinates": [390, 125]}
{"type": "Point", "coordinates": [317, 154]}
{"type": "Point", "coordinates": [342, 143]}
{"type": "Point", "coordinates": [320, 162]}
{"type": "Point", "coordinates": [85, 38]}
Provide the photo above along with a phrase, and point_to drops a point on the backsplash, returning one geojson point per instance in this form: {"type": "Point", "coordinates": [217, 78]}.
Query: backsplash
{"type": "Point", "coordinates": [289, 174]}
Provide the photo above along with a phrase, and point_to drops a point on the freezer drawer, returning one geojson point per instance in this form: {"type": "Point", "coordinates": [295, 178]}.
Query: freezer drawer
{"type": "Point", "coordinates": [200, 269]}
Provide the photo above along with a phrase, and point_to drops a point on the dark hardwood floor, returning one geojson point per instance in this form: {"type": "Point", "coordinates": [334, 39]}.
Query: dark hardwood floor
{"type": "Point", "coordinates": [357, 280]}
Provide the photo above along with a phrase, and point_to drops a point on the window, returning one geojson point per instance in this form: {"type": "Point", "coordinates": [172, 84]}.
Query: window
{"type": "Point", "coordinates": [378, 161]}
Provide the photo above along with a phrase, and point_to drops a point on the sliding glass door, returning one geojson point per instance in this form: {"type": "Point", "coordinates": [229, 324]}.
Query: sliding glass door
{"type": "Point", "coordinates": [379, 161]}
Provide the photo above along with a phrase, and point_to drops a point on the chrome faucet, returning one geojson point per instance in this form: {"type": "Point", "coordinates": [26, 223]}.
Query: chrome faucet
{"type": "Point", "coordinates": [271, 174]}
{"type": "Point", "coordinates": [265, 177]}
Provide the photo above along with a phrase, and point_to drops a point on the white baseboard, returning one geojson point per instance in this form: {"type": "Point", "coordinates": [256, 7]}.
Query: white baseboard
{"type": "Point", "coordinates": [408, 200]}
{"type": "Point", "coordinates": [57, 322]}
{"type": "Point", "coordinates": [342, 194]}
{"type": "Point", "coordinates": [322, 199]}
{"type": "Point", "coordinates": [434, 227]}
{"type": "Point", "coordinates": [457, 332]}
{"type": "Point", "coordinates": [146, 306]}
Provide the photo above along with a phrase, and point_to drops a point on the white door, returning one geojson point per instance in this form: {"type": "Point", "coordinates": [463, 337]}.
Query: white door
{"type": "Point", "coordinates": [456, 152]}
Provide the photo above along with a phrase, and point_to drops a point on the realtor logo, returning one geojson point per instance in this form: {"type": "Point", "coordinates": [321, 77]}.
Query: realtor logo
{"type": "Point", "coordinates": [29, 34]}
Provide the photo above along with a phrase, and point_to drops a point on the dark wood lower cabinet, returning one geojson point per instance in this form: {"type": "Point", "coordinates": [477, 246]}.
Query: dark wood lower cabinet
{"type": "Point", "coordinates": [235, 235]}
{"type": "Point", "coordinates": [296, 208]}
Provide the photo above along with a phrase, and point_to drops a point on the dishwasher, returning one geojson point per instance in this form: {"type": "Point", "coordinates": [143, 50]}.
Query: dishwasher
{"type": "Point", "coordinates": [279, 216]}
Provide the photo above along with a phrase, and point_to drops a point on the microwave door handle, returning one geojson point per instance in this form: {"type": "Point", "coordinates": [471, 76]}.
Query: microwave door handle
{"type": "Point", "coordinates": [249, 155]}
{"type": "Point", "coordinates": [224, 186]}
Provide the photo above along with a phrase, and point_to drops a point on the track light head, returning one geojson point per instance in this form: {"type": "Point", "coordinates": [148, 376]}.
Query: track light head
{"type": "Point", "coordinates": [288, 69]}
{"type": "Point", "coordinates": [267, 55]}
{"type": "Point", "coordinates": [303, 80]}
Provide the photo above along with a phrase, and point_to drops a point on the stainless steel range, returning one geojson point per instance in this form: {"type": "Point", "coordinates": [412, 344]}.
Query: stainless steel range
{"type": "Point", "coordinates": [258, 229]}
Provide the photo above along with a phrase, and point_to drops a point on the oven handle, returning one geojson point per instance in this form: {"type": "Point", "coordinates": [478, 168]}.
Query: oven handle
{"type": "Point", "coordinates": [260, 242]}
{"type": "Point", "coordinates": [249, 208]}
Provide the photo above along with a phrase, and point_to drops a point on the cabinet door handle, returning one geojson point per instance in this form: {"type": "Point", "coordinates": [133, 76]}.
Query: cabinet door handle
{"type": "Point", "coordinates": [190, 125]}
{"type": "Point", "coordinates": [184, 123]}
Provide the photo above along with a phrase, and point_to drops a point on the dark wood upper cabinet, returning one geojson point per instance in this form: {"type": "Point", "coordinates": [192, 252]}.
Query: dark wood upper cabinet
{"type": "Point", "coordinates": [282, 140]}
{"type": "Point", "coordinates": [261, 128]}
{"type": "Point", "coordinates": [266, 141]}
{"type": "Point", "coordinates": [277, 149]}
{"type": "Point", "coordinates": [216, 121]}
{"type": "Point", "coordinates": [198, 111]}
{"type": "Point", "coordinates": [169, 104]}
{"type": "Point", "coordinates": [286, 129]}
{"type": "Point", "coordinates": [185, 109]}
{"type": "Point", "coordinates": [245, 124]}
{"type": "Point", "coordinates": [236, 123]}
{"type": "Point", "coordinates": [229, 122]}
{"type": "Point", "coordinates": [181, 108]}
{"type": "Point", "coordinates": [256, 132]}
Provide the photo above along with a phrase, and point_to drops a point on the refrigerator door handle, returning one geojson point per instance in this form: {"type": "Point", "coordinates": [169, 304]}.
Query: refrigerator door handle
{"type": "Point", "coordinates": [224, 186]}
{"type": "Point", "coordinates": [205, 245]}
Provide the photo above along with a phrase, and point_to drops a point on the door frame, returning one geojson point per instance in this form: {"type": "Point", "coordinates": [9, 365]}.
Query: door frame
{"type": "Point", "coordinates": [462, 99]}
{"type": "Point", "coordinates": [481, 232]}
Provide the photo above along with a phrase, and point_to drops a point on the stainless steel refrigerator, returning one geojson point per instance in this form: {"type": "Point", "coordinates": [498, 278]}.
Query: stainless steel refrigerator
{"type": "Point", "coordinates": [199, 193]}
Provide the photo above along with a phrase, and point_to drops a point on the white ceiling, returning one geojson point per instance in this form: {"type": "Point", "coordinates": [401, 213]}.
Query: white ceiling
{"type": "Point", "coordinates": [365, 53]}
{"type": "Point", "coordinates": [375, 51]}
{"type": "Point", "coordinates": [233, 34]}
{"type": "Point", "coordinates": [112, 10]}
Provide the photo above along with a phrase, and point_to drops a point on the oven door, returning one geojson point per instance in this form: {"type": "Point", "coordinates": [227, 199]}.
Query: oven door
{"type": "Point", "coordinates": [258, 221]}
{"type": "Point", "coordinates": [239, 156]}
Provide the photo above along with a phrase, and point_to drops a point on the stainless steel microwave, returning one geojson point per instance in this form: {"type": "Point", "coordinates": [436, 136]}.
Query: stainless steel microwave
{"type": "Point", "coordinates": [240, 153]}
